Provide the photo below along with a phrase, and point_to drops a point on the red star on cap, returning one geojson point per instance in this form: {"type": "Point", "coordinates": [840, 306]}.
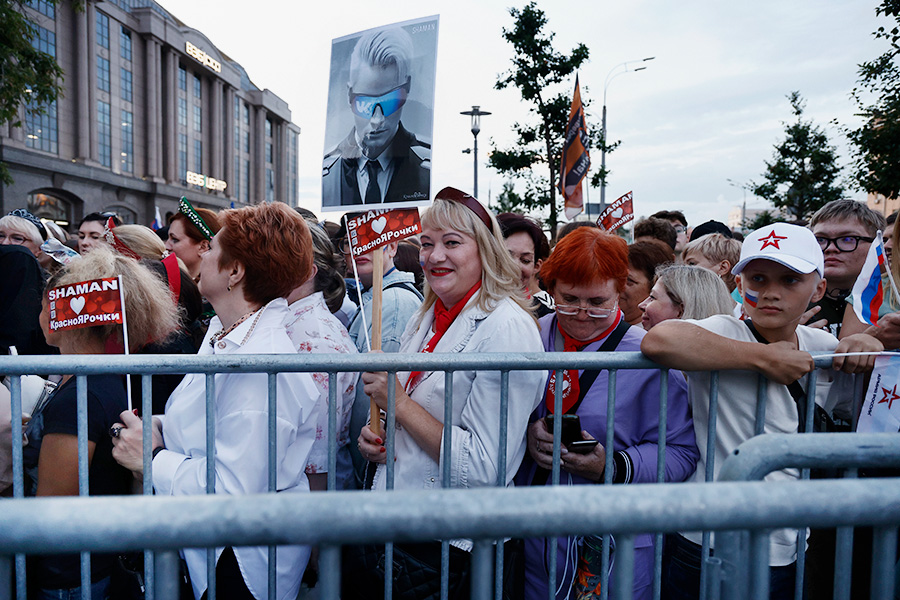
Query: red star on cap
{"type": "Point", "coordinates": [772, 240]}
{"type": "Point", "coordinates": [889, 396]}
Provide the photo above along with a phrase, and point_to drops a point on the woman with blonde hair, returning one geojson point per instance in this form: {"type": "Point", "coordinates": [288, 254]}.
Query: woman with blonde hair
{"type": "Point", "coordinates": [51, 456]}
{"type": "Point", "coordinates": [685, 292]}
{"type": "Point", "coordinates": [474, 302]}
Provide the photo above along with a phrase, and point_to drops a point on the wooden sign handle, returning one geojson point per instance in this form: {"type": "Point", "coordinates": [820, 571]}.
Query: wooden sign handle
{"type": "Point", "coordinates": [377, 280]}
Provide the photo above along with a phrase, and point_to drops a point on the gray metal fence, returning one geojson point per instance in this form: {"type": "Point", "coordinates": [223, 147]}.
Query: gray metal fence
{"type": "Point", "coordinates": [210, 365]}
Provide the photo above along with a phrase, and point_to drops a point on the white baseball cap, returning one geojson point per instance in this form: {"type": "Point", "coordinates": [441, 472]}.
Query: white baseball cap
{"type": "Point", "coordinates": [790, 245]}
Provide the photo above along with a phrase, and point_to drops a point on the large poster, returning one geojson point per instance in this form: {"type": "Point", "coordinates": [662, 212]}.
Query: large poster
{"type": "Point", "coordinates": [380, 117]}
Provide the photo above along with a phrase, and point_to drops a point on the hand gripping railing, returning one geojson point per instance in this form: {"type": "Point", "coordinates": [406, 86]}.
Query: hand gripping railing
{"type": "Point", "coordinates": [761, 455]}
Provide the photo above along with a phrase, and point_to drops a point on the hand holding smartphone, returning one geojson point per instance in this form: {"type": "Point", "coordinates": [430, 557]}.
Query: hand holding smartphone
{"type": "Point", "coordinates": [571, 434]}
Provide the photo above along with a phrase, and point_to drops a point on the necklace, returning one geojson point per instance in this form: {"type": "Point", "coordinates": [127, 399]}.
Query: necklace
{"type": "Point", "coordinates": [223, 332]}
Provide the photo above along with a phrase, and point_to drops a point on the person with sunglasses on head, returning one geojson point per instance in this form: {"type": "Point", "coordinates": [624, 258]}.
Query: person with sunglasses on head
{"type": "Point", "coordinates": [585, 274]}
{"type": "Point", "coordinates": [379, 161]}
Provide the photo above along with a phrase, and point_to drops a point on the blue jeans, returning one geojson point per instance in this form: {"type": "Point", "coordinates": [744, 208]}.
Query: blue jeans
{"type": "Point", "coordinates": [99, 591]}
{"type": "Point", "coordinates": [681, 572]}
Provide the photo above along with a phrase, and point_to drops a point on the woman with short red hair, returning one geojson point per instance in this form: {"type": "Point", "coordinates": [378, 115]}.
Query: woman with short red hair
{"type": "Point", "coordinates": [586, 274]}
{"type": "Point", "coordinates": [258, 257]}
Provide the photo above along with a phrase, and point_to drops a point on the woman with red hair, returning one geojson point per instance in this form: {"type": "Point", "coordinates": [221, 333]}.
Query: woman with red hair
{"type": "Point", "coordinates": [258, 257]}
{"type": "Point", "coordinates": [586, 274]}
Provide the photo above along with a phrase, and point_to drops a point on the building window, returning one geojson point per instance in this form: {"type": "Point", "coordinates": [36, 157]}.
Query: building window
{"type": "Point", "coordinates": [237, 138]}
{"type": "Point", "coordinates": [198, 87]}
{"type": "Point", "coordinates": [198, 156]}
{"type": "Point", "coordinates": [125, 44]}
{"type": "Point", "coordinates": [182, 156]}
{"type": "Point", "coordinates": [237, 109]}
{"type": "Point", "coordinates": [44, 41]}
{"type": "Point", "coordinates": [237, 178]}
{"type": "Point", "coordinates": [126, 84]}
{"type": "Point", "coordinates": [246, 114]}
{"type": "Point", "coordinates": [246, 181]}
{"type": "Point", "coordinates": [102, 74]}
{"type": "Point", "coordinates": [269, 152]}
{"type": "Point", "coordinates": [268, 128]}
{"type": "Point", "coordinates": [198, 118]}
{"type": "Point", "coordinates": [246, 135]}
{"type": "Point", "coordinates": [104, 133]}
{"type": "Point", "coordinates": [182, 78]}
{"type": "Point", "coordinates": [102, 30]}
{"type": "Point", "coordinates": [45, 8]}
{"type": "Point", "coordinates": [127, 142]}
{"type": "Point", "coordinates": [270, 185]}
{"type": "Point", "coordinates": [41, 130]}
{"type": "Point", "coordinates": [182, 112]}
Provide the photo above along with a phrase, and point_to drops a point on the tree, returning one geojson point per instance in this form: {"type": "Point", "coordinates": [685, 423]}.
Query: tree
{"type": "Point", "coordinates": [28, 76]}
{"type": "Point", "coordinates": [876, 143]}
{"type": "Point", "coordinates": [802, 175]}
{"type": "Point", "coordinates": [766, 217]}
{"type": "Point", "coordinates": [537, 72]}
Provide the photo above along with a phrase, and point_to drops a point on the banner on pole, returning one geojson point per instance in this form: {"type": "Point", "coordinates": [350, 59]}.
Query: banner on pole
{"type": "Point", "coordinates": [376, 228]}
{"type": "Point", "coordinates": [575, 160]}
{"type": "Point", "coordinates": [85, 304]}
{"type": "Point", "coordinates": [617, 214]}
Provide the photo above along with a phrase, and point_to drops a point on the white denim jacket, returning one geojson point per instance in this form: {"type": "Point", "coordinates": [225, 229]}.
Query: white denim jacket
{"type": "Point", "coordinates": [476, 399]}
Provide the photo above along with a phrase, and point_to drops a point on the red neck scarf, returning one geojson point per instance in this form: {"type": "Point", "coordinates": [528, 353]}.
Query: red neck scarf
{"type": "Point", "coordinates": [443, 318]}
{"type": "Point", "coordinates": [571, 390]}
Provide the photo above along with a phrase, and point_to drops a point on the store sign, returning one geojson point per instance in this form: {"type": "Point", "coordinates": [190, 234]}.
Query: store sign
{"type": "Point", "coordinates": [203, 181]}
{"type": "Point", "coordinates": [202, 57]}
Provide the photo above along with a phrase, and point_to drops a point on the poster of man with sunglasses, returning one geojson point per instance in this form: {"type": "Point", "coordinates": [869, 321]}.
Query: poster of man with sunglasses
{"type": "Point", "coordinates": [382, 89]}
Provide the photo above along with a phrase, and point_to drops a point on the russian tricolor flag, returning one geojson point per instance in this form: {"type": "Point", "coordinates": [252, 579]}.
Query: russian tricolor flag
{"type": "Point", "coordinates": [868, 293]}
{"type": "Point", "coordinates": [750, 298]}
{"type": "Point", "coordinates": [156, 225]}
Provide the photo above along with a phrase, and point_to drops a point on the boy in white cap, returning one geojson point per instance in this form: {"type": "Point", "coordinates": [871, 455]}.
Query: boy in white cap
{"type": "Point", "coordinates": [780, 272]}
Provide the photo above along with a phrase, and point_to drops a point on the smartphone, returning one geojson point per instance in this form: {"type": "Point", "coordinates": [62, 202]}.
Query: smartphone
{"type": "Point", "coordinates": [571, 428]}
{"type": "Point", "coordinates": [581, 446]}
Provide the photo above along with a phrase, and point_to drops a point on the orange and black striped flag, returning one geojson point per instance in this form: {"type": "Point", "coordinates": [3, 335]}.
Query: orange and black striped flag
{"type": "Point", "coordinates": [575, 160]}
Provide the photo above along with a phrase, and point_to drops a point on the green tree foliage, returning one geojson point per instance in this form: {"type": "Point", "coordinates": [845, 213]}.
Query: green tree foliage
{"type": "Point", "coordinates": [27, 75]}
{"type": "Point", "coordinates": [766, 217]}
{"type": "Point", "coordinates": [538, 72]}
{"type": "Point", "coordinates": [876, 143]}
{"type": "Point", "coordinates": [802, 176]}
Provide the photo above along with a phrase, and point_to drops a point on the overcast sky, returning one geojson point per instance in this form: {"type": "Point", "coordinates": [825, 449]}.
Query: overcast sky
{"type": "Point", "coordinates": [709, 108]}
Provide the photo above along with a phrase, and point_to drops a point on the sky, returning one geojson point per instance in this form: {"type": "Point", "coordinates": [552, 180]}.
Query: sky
{"type": "Point", "coordinates": [695, 126]}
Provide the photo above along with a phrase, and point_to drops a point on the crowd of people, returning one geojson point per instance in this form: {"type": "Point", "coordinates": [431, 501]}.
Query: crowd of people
{"type": "Point", "coordinates": [267, 279]}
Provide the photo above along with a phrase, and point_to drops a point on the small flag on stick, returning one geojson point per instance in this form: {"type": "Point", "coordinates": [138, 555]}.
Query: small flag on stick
{"type": "Point", "coordinates": [575, 160]}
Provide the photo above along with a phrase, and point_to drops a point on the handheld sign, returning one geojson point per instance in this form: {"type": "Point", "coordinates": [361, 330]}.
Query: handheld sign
{"type": "Point", "coordinates": [617, 214]}
{"type": "Point", "coordinates": [878, 414]}
{"type": "Point", "coordinates": [380, 117]}
{"type": "Point", "coordinates": [368, 233]}
{"type": "Point", "coordinates": [89, 304]}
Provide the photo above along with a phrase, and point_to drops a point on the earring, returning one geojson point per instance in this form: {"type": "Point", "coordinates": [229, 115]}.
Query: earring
{"type": "Point", "coordinates": [229, 288]}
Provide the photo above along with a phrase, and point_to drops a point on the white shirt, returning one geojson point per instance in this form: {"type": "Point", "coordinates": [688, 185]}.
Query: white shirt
{"type": "Point", "coordinates": [736, 416]}
{"type": "Point", "coordinates": [242, 442]}
{"type": "Point", "coordinates": [313, 329]}
{"type": "Point", "coordinates": [385, 174]}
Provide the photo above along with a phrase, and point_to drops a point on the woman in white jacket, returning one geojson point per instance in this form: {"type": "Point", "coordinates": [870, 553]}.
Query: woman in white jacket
{"type": "Point", "coordinates": [473, 303]}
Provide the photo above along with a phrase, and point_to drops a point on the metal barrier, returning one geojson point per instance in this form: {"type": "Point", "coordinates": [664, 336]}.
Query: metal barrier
{"type": "Point", "coordinates": [167, 523]}
{"type": "Point", "coordinates": [210, 365]}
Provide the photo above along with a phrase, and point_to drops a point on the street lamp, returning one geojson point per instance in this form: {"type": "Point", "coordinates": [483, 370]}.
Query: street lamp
{"type": "Point", "coordinates": [609, 77]}
{"type": "Point", "coordinates": [476, 113]}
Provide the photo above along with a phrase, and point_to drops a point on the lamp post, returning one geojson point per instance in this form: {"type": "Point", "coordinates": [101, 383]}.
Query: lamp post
{"type": "Point", "coordinates": [613, 73]}
{"type": "Point", "coordinates": [476, 113]}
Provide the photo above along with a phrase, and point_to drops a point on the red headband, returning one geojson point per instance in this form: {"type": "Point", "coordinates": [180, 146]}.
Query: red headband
{"type": "Point", "coordinates": [455, 195]}
{"type": "Point", "coordinates": [113, 240]}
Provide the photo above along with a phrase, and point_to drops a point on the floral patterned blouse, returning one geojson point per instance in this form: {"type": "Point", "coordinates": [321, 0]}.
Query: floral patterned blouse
{"type": "Point", "coordinates": [314, 330]}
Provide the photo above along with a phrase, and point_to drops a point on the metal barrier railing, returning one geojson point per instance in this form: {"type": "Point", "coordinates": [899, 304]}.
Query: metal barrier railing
{"type": "Point", "coordinates": [165, 524]}
{"type": "Point", "coordinates": [273, 364]}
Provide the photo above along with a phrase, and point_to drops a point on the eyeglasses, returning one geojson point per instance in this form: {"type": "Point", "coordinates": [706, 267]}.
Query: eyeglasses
{"type": "Point", "coordinates": [14, 238]}
{"type": "Point", "coordinates": [390, 102]}
{"type": "Point", "coordinates": [846, 243]}
{"type": "Point", "coordinates": [680, 228]}
{"type": "Point", "coordinates": [571, 310]}
{"type": "Point", "coordinates": [344, 246]}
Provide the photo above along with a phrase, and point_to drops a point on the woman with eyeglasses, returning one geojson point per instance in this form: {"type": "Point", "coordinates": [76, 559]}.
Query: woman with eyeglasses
{"type": "Point", "coordinates": [585, 274]}
{"type": "Point", "coordinates": [473, 303]}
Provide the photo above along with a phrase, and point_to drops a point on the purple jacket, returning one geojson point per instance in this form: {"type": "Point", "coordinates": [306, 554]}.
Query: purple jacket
{"type": "Point", "coordinates": [636, 434]}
